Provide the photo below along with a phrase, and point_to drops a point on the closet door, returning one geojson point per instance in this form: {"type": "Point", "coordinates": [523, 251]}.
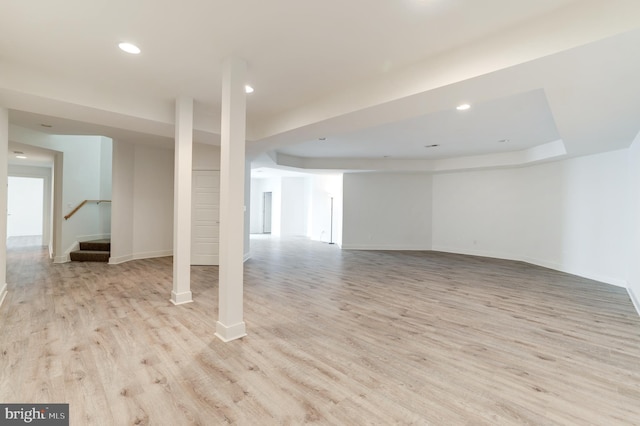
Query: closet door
{"type": "Point", "coordinates": [205, 217]}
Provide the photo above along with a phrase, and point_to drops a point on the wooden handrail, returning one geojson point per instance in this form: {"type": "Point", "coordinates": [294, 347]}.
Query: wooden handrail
{"type": "Point", "coordinates": [79, 206]}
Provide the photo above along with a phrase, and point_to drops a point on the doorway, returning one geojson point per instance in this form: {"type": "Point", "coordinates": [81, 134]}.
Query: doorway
{"type": "Point", "coordinates": [25, 207]}
{"type": "Point", "coordinates": [266, 212]}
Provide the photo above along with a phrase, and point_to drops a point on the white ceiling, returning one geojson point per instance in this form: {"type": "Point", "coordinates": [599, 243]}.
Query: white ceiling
{"type": "Point", "coordinates": [378, 79]}
{"type": "Point", "coordinates": [36, 156]}
{"type": "Point", "coordinates": [516, 122]}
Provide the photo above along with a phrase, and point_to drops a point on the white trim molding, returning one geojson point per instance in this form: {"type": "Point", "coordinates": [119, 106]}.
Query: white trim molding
{"type": "Point", "coordinates": [400, 247]}
{"type": "Point", "coordinates": [634, 299]}
{"type": "Point", "coordinates": [181, 298]}
{"type": "Point", "coordinates": [229, 333]}
{"type": "Point", "coordinates": [3, 293]}
{"type": "Point", "coordinates": [140, 256]}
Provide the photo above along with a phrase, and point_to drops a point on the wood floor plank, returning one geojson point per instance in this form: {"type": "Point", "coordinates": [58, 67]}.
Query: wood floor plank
{"type": "Point", "coordinates": [335, 337]}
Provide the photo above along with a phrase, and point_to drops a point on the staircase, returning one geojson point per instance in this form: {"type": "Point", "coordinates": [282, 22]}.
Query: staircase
{"type": "Point", "coordinates": [92, 251]}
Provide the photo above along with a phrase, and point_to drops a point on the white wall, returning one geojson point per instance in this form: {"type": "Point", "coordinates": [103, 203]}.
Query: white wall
{"type": "Point", "coordinates": [153, 202]}
{"type": "Point", "coordinates": [321, 189]}
{"type": "Point", "coordinates": [142, 217]}
{"type": "Point", "coordinates": [595, 224]}
{"type": "Point", "coordinates": [301, 205]}
{"type": "Point", "coordinates": [570, 215]}
{"type": "Point", "coordinates": [389, 211]}
{"type": "Point", "coordinates": [633, 258]}
{"type": "Point", "coordinates": [477, 212]}
{"type": "Point", "coordinates": [258, 187]}
{"type": "Point", "coordinates": [247, 209]}
{"type": "Point", "coordinates": [293, 216]}
{"type": "Point", "coordinates": [4, 149]}
{"type": "Point", "coordinates": [206, 157]}
{"type": "Point", "coordinates": [122, 206]}
{"type": "Point", "coordinates": [143, 198]}
{"type": "Point", "coordinates": [106, 165]}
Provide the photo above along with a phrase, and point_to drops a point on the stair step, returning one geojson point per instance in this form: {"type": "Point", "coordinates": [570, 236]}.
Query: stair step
{"type": "Point", "coordinates": [96, 245]}
{"type": "Point", "coordinates": [90, 256]}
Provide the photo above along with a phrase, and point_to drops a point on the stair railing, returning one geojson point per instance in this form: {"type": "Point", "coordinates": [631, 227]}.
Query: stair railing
{"type": "Point", "coordinates": [79, 206]}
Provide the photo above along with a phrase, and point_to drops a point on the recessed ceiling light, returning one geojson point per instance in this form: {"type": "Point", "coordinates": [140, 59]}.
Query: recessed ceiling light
{"type": "Point", "coordinates": [248, 89]}
{"type": "Point", "coordinates": [22, 157]}
{"type": "Point", "coordinates": [463, 107]}
{"type": "Point", "coordinates": [503, 140]}
{"type": "Point", "coordinates": [129, 48]}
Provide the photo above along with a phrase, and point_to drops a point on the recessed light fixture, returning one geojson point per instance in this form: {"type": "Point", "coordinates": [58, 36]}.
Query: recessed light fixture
{"type": "Point", "coordinates": [463, 107]}
{"type": "Point", "coordinates": [248, 89]}
{"type": "Point", "coordinates": [503, 141]}
{"type": "Point", "coordinates": [129, 48]}
{"type": "Point", "coordinates": [22, 157]}
{"type": "Point", "coordinates": [432, 146]}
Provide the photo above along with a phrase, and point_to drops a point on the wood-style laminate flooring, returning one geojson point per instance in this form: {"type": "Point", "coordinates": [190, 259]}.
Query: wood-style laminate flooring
{"type": "Point", "coordinates": [334, 338]}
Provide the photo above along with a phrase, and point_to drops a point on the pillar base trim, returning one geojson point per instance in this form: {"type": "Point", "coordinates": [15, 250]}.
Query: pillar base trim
{"type": "Point", "coordinates": [3, 293]}
{"type": "Point", "coordinates": [181, 298]}
{"type": "Point", "coordinates": [229, 333]}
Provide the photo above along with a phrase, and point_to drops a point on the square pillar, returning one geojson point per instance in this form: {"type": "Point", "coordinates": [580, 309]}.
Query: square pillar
{"type": "Point", "coordinates": [230, 325]}
{"type": "Point", "coordinates": [182, 202]}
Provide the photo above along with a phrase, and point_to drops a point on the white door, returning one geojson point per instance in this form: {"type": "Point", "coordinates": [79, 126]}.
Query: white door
{"type": "Point", "coordinates": [205, 217]}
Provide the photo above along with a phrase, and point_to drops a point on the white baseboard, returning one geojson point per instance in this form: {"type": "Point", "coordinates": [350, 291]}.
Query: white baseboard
{"type": "Point", "coordinates": [120, 259]}
{"type": "Point", "coordinates": [634, 299]}
{"type": "Point", "coordinates": [181, 298]}
{"type": "Point", "coordinates": [584, 274]}
{"type": "Point", "coordinates": [480, 253]}
{"type": "Point", "coordinates": [66, 257]}
{"type": "Point", "coordinates": [229, 333]}
{"type": "Point", "coordinates": [140, 256]}
{"type": "Point", "coordinates": [384, 247]}
{"type": "Point", "coordinates": [3, 293]}
{"type": "Point", "coordinates": [205, 260]}
{"type": "Point", "coordinates": [94, 237]}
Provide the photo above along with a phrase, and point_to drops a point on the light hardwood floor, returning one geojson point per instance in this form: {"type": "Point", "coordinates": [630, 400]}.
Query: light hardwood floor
{"type": "Point", "coordinates": [335, 337]}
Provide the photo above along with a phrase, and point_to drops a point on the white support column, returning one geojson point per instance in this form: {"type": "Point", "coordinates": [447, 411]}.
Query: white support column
{"type": "Point", "coordinates": [230, 325]}
{"type": "Point", "coordinates": [4, 149]}
{"type": "Point", "coordinates": [182, 202]}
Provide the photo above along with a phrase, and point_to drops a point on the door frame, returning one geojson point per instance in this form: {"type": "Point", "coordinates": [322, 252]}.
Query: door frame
{"type": "Point", "coordinates": [267, 212]}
